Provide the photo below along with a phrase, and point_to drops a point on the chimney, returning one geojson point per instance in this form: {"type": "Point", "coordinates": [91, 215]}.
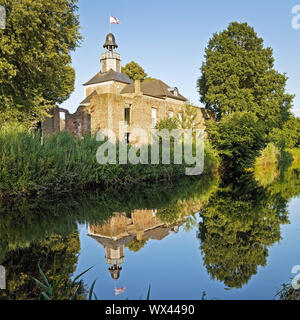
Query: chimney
{"type": "Point", "coordinates": [137, 86]}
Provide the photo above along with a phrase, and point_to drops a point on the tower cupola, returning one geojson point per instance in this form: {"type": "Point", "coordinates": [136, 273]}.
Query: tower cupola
{"type": "Point", "coordinates": [110, 58]}
{"type": "Point", "coordinates": [110, 42]}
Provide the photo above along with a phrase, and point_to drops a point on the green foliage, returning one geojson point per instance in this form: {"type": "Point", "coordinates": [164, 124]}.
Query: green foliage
{"type": "Point", "coordinates": [35, 61]}
{"type": "Point", "coordinates": [238, 139]}
{"type": "Point", "coordinates": [287, 292]}
{"type": "Point", "coordinates": [21, 266]}
{"type": "Point", "coordinates": [189, 117]}
{"type": "Point", "coordinates": [53, 291]}
{"type": "Point", "coordinates": [63, 163]}
{"type": "Point", "coordinates": [134, 71]}
{"type": "Point", "coordinates": [266, 167]}
{"type": "Point", "coordinates": [136, 245]}
{"type": "Point", "coordinates": [289, 135]}
{"type": "Point", "coordinates": [168, 124]}
{"type": "Point", "coordinates": [239, 223]}
{"type": "Point", "coordinates": [238, 75]}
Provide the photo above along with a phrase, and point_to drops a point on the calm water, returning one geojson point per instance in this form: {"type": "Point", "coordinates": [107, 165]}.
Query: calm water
{"type": "Point", "coordinates": [232, 239]}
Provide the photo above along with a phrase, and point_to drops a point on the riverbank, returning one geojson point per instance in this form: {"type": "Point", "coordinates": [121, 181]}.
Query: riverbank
{"type": "Point", "coordinates": [62, 163]}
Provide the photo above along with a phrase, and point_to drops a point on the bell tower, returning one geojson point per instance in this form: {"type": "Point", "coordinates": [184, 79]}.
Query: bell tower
{"type": "Point", "coordinates": [110, 59]}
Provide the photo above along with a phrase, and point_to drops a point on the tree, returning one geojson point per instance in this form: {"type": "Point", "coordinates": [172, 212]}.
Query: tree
{"type": "Point", "coordinates": [238, 138]}
{"type": "Point", "coordinates": [238, 75]}
{"type": "Point", "coordinates": [134, 71]}
{"type": "Point", "coordinates": [136, 245]}
{"type": "Point", "coordinates": [188, 119]}
{"type": "Point", "coordinates": [35, 70]}
{"type": "Point", "coordinates": [168, 124]}
{"type": "Point", "coordinates": [289, 135]}
{"type": "Point", "coordinates": [59, 251]}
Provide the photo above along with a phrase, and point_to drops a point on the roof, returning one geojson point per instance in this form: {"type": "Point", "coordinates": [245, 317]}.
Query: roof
{"type": "Point", "coordinates": [87, 100]}
{"type": "Point", "coordinates": [110, 75]}
{"type": "Point", "coordinates": [110, 243]}
{"type": "Point", "coordinates": [154, 88]}
{"type": "Point", "coordinates": [158, 233]}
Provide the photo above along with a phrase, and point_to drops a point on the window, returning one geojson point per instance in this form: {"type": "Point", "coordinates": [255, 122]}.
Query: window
{"type": "Point", "coordinates": [153, 124]}
{"type": "Point", "coordinates": [127, 137]}
{"type": "Point", "coordinates": [171, 114]}
{"type": "Point", "coordinates": [127, 115]}
{"type": "Point", "coordinates": [180, 116]}
{"type": "Point", "coordinates": [62, 121]}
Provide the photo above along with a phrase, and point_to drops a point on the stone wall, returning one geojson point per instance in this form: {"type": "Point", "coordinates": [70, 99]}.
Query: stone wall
{"type": "Point", "coordinates": [108, 110]}
{"type": "Point", "coordinates": [52, 124]}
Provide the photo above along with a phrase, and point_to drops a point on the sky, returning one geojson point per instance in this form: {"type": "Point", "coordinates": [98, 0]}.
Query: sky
{"type": "Point", "coordinates": [168, 38]}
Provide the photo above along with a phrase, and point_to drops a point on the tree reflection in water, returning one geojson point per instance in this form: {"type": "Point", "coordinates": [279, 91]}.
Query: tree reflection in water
{"type": "Point", "coordinates": [240, 222]}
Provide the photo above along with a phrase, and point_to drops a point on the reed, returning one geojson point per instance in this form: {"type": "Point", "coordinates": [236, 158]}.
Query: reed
{"type": "Point", "coordinates": [30, 165]}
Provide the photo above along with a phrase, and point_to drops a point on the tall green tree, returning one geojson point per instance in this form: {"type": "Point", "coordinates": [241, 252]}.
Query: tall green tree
{"type": "Point", "coordinates": [35, 70]}
{"type": "Point", "coordinates": [134, 71]}
{"type": "Point", "coordinates": [238, 75]}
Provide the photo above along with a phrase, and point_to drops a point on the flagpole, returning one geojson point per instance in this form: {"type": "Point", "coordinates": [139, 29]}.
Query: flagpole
{"type": "Point", "coordinates": [109, 24]}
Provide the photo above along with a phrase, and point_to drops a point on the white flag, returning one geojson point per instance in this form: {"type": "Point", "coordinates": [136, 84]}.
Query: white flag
{"type": "Point", "coordinates": [114, 20]}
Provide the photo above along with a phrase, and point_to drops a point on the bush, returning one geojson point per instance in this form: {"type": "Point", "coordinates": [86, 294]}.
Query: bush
{"type": "Point", "coordinates": [238, 138]}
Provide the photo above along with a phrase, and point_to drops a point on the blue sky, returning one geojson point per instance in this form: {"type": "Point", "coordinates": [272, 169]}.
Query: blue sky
{"type": "Point", "coordinates": [168, 38]}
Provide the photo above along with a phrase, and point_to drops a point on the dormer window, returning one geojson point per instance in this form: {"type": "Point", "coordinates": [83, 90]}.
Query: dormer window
{"type": "Point", "coordinates": [174, 91]}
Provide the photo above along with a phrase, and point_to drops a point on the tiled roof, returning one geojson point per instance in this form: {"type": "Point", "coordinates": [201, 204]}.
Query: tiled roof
{"type": "Point", "coordinates": [154, 88]}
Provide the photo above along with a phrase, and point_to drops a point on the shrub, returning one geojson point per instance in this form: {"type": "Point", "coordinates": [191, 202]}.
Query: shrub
{"type": "Point", "coordinates": [238, 138]}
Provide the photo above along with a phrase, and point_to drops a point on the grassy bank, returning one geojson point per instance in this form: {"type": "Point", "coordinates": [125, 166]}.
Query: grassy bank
{"type": "Point", "coordinates": [272, 161]}
{"type": "Point", "coordinates": [62, 163]}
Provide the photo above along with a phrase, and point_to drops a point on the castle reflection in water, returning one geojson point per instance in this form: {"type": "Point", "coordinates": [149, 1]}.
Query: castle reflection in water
{"type": "Point", "coordinates": [122, 228]}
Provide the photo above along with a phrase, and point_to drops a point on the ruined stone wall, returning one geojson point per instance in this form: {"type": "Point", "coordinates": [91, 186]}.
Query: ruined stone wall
{"type": "Point", "coordinates": [52, 123]}
{"type": "Point", "coordinates": [79, 123]}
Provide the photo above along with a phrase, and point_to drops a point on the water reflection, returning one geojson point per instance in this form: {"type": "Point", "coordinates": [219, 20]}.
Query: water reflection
{"type": "Point", "coordinates": [132, 231]}
{"type": "Point", "coordinates": [241, 219]}
{"type": "Point", "coordinates": [115, 219]}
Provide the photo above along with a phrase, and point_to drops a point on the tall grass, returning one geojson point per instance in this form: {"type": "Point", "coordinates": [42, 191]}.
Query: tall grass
{"type": "Point", "coordinates": [62, 163]}
{"type": "Point", "coordinates": [295, 153]}
{"type": "Point", "coordinates": [266, 167]}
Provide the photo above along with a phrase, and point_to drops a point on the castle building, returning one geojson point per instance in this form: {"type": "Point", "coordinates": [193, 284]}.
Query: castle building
{"type": "Point", "coordinates": [112, 98]}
